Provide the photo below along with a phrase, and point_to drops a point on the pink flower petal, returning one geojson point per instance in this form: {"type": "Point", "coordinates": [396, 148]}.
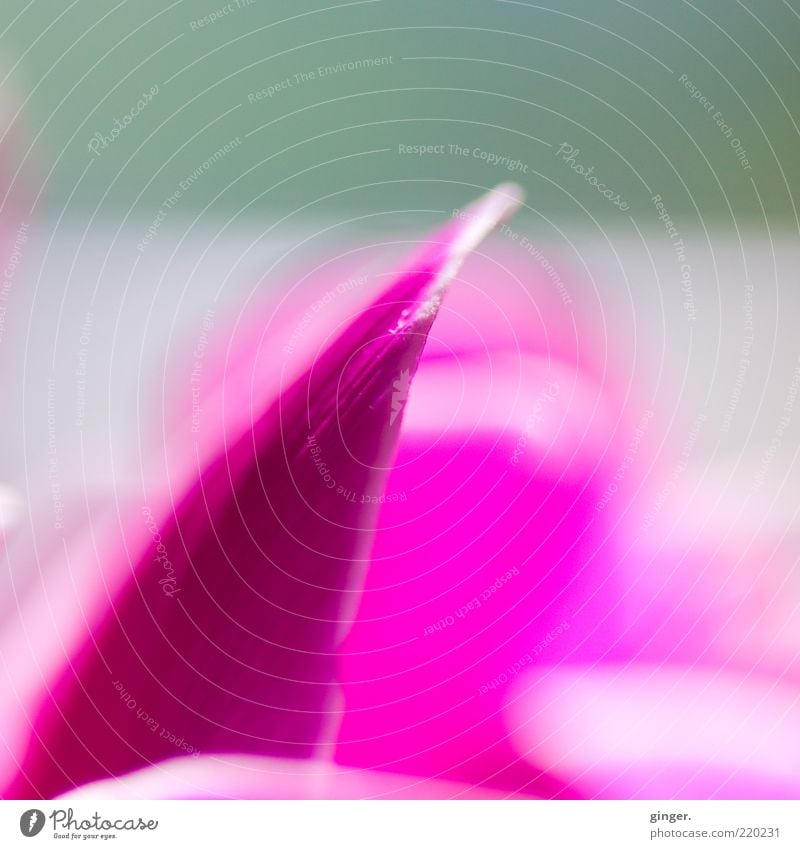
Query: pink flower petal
{"type": "Point", "coordinates": [660, 732]}
{"type": "Point", "coordinates": [490, 541]}
{"type": "Point", "coordinates": [223, 634]}
{"type": "Point", "coordinates": [254, 777]}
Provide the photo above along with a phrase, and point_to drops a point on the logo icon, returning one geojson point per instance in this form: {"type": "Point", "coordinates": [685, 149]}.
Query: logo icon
{"type": "Point", "coordinates": [401, 387]}
{"type": "Point", "coordinates": [31, 822]}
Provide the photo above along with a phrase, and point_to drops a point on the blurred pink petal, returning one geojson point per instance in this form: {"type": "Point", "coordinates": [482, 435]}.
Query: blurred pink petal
{"type": "Point", "coordinates": [664, 732]}
{"type": "Point", "coordinates": [252, 777]}
{"type": "Point", "coordinates": [10, 508]}
{"type": "Point", "coordinates": [222, 634]}
{"type": "Point", "coordinates": [490, 538]}
{"type": "Point", "coordinates": [489, 542]}
{"type": "Point", "coordinates": [251, 357]}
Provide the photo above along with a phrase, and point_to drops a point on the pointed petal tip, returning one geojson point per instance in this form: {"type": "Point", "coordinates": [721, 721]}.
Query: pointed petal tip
{"type": "Point", "coordinates": [476, 221]}
{"type": "Point", "coordinates": [484, 214]}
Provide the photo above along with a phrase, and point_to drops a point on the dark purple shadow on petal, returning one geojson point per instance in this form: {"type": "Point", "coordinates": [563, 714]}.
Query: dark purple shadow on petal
{"type": "Point", "coordinates": [224, 638]}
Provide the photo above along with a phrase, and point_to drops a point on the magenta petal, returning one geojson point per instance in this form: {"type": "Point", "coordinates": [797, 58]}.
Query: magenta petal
{"type": "Point", "coordinates": [493, 544]}
{"type": "Point", "coordinates": [660, 732]}
{"type": "Point", "coordinates": [223, 636]}
{"type": "Point", "coordinates": [254, 777]}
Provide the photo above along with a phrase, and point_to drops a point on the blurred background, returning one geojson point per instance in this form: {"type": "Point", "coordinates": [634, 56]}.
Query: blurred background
{"type": "Point", "coordinates": [354, 80]}
{"type": "Point", "coordinates": [167, 162]}
{"type": "Point", "coordinates": [165, 158]}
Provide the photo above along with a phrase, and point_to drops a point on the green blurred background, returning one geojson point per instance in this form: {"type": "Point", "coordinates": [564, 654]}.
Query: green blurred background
{"type": "Point", "coordinates": [510, 78]}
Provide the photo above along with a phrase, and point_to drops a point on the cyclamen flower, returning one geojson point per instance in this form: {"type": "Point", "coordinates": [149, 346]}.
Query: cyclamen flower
{"type": "Point", "coordinates": [212, 624]}
{"type": "Point", "coordinates": [509, 630]}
